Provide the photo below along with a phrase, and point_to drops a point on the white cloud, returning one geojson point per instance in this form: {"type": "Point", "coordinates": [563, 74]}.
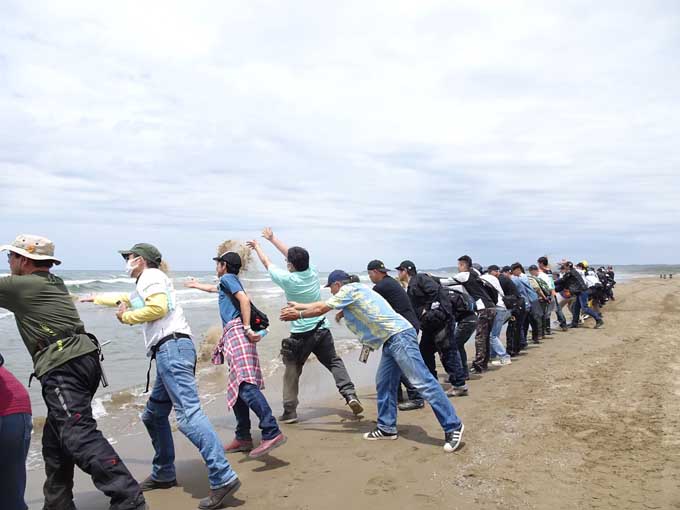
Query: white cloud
{"type": "Point", "coordinates": [415, 129]}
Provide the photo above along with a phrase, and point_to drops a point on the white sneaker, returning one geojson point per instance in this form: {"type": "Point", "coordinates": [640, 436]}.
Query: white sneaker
{"type": "Point", "coordinates": [378, 435]}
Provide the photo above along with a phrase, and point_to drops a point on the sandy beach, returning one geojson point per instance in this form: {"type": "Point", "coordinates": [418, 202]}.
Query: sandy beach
{"type": "Point", "coordinates": [589, 419]}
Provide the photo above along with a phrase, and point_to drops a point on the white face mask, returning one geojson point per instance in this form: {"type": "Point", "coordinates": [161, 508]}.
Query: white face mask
{"type": "Point", "coordinates": [130, 266]}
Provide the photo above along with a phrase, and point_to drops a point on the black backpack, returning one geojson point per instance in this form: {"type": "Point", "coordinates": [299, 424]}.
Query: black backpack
{"type": "Point", "coordinates": [258, 319]}
{"type": "Point", "coordinates": [490, 290]}
{"type": "Point", "coordinates": [462, 302]}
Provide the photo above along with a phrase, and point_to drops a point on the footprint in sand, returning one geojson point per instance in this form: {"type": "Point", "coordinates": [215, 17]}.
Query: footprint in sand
{"type": "Point", "coordinates": [379, 484]}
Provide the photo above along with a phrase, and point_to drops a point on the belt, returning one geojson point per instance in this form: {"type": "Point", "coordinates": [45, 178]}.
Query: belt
{"type": "Point", "coordinates": [154, 350]}
{"type": "Point", "coordinates": [306, 334]}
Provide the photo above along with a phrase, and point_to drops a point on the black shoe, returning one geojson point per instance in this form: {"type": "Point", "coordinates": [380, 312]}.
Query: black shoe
{"type": "Point", "coordinates": [288, 417]}
{"type": "Point", "coordinates": [411, 405]}
{"type": "Point", "coordinates": [217, 496]}
{"type": "Point", "coordinates": [354, 404]}
{"type": "Point", "coordinates": [564, 327]}
{"type": "Point", "coordinates": [599, 324]}
{"type": "Point", "coordinates": [151, 485]}
{"type": "Point", "coordinates": [572, 326]}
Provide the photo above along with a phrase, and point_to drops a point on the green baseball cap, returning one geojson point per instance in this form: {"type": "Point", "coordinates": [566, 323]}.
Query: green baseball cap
{"type": "Point", "coordinates": [146, 251]}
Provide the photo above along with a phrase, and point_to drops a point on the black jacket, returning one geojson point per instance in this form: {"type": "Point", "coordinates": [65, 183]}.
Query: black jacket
{"type": "Point", "coordinates": [396, 296]}
{"type": "Point", "coordinates": [572, 282]}
{"type": "Point", "coordinates": [423, 290]}
{"type": "Point", "coordinates": [509, 288]}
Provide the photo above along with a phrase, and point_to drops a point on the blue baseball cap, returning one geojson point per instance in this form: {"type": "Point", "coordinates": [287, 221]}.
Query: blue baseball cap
{"type": "Point", "coordinates": [337, 276]}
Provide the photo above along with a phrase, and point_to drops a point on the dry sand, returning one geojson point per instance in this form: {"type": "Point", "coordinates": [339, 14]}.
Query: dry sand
{"type": "Point", "coordinates": [589, 419]}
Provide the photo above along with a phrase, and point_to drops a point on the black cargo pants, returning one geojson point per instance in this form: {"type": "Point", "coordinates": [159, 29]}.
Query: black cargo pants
{"type": "Point", "coordinates": [70, 438]}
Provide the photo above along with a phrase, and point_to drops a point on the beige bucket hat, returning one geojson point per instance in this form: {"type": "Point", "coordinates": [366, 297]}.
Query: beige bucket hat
{"type": "Point", "coordinates": [32, 247]}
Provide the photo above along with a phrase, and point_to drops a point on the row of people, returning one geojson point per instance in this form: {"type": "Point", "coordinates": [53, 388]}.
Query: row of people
{"type": "Point", "coordinates": [446, 311]}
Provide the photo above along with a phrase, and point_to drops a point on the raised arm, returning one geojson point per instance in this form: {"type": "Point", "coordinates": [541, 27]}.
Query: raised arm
{"type": "Point", "coordinates": [255, 246]}
{"type": "Point", "coordinates": [268, 234]}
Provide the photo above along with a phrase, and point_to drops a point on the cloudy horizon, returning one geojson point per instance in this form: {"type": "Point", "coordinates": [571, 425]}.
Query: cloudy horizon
{"type": "Point", "coordinates": [384, 130]}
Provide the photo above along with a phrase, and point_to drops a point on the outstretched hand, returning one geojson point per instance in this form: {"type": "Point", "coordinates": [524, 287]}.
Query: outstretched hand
{"type": "Point", "coordinates": [252, 244]}
{"type": "Point", "coordinates": [191, 283]}
{"type": "Point", "coordinates": [268, 233]}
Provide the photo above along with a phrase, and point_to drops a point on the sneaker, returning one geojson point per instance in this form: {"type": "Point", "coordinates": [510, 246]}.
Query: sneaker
{"type": "Point", "coordinates": [572, 326]}
{"type": "Point", "coordinates": [502, 362]}
{"type": "Point", "coordinates": [239, 445]}
{"type": "Point", "coordinates": [268, 445]}
{"type": "Point", "coordinates": [288, 417]}
{"type": "Point", "coordinates": [216, 497]}
{"type": "Point", "coordinates": [564, 328]}
{"type": "Point", "coordinates": [149, 484]}
{"type": "Point", "coordinates": [599, 324]}
{"type": "Point", "coordinates": [458, 391]}
{"type": "Point", "coordinates": [453, 439]}
{"type": "Point", "coordinates": [378, 435]}
{"type": "Point", "coordinates": [355, 405]}
{"type": "Point", "coordinates": [411, 405]}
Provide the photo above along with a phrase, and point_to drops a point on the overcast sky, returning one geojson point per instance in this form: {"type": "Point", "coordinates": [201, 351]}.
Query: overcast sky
{"type": "Point", "coordinates": [360, 130]}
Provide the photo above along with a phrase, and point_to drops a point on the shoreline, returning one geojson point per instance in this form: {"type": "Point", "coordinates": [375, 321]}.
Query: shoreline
{"type": "Point", "coordinates": [544, 421]}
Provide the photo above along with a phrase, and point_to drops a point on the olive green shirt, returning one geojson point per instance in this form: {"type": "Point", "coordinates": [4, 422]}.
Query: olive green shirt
{"type": "Point", "coordinates": [47, 319]}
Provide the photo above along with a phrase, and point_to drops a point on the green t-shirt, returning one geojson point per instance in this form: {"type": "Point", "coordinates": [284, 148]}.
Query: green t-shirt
{"type": "Point", "coordinates": [301, 287]}
{"type": "Point", "coordinates": [47, 319]}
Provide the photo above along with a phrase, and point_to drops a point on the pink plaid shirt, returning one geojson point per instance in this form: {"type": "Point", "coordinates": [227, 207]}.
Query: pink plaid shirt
{"type": "Point", "coordinates": [241, 357]}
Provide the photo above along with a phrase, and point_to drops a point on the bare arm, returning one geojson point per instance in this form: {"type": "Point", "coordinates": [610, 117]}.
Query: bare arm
{"type": "Point", "coordinates": [205, 287]}
{"type": "Point", "coordinates": [295, 311]}
{"type": "Point", "coordinates": [244, 304]}
{"type": "Point", "coordinates": [268, 234]}
{"type": "Point", "coordinates": [254, 245]}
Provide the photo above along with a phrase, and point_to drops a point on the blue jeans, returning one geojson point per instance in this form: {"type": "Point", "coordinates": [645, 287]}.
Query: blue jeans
{"type": "Point", "coordinates": [582, 304]}
{"type": "Point", "coordinates": [175, 386]}
{"type": "Point", "coordinates": [401, 355]}
{"type": "Point", "coordinates": [497, 349]}
{"type": "Point", "coordinates": [250, 397]}
{"type": "Point", "coordinates": [15, 437]}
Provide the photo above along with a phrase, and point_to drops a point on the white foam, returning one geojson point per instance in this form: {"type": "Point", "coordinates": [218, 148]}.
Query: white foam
{"type": "Point", "coordinates": [107, 280]}
{"type": "Point", "coordinates": [255, 279]}
{"type": "Point", "coordinates": [98, 409]}
{"type": "Point", "coordinates": [198, 300]}
{"type": "Point", "coordinates": [5, 314]}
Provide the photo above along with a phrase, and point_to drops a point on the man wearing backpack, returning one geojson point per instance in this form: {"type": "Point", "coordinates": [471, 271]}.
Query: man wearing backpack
{"type": "Point", "coordinates": [515, 305]}
{"type": "Point", "coordinates": [465, 316]}
{"type": "Point", "coordinates": [470, 279]}
{"type": "Point", "coordinates": [238, 348]}
{"type": "Point", "coordinates": [502, 316]}
{"type": "Point", "coordinates": [429, 300]}
{"type": "Point", "coordinates": [300, 282]}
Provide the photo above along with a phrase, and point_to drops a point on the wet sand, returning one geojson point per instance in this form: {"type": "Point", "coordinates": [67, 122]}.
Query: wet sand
{"type": "Point", "coordinates": [589, 419]}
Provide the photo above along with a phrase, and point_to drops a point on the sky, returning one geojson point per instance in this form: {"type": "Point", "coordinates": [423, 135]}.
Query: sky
{"type": "Point", "coordinates": [359, 130]}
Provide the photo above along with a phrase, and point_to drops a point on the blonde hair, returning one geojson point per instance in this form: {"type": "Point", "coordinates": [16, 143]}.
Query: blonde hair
{"type": "Point", "coordinates": [237, 247]}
